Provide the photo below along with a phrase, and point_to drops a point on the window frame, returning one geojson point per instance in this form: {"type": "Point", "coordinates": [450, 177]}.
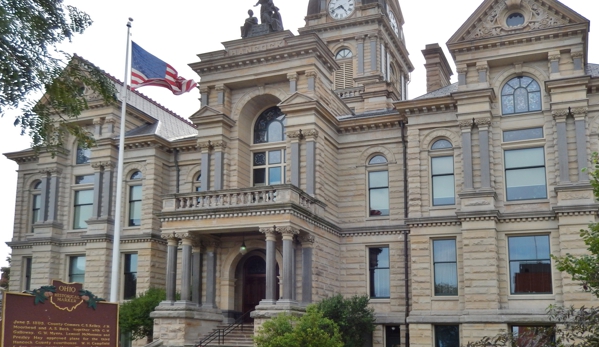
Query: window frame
{"type": "Point", "coordinates": [346, 70]}
{"type": "Point", "coordinates": [77, 189]}
{"type": "Point", "coordinates": [372, 272]}
{"type": "Point", "coordinates": [511, 283]}
{"type": "Point", "coordinates": [267, 147]}
{"type": "Point", "coordinates": [197, 182]}
{"type": "Point", "coordinates": [523, 168]}
{"type": "Point", "coordinates": [435, 154]}
{"type": "Point", "coordinates": [27, 265]}
{"type": "Point", "coordinates": [529, 110]}
{"type": "Point", "coordinates": [36, 196]}
{"type": "Point", "coordinates": [82, 153]}
{"type": "Point", "coordinates": [70, 265]}
{"type": "Point", "coordinates": [536, 333]}
{"type": "Point", "coordinates": [134, 183]}
{"type": "Point", "coordinates": [436, 329]}
{"type": "Point", "coordinates": [128, 271]}
{"type": "Point", "coordinates": [267, 166]}
{"type": "Point", "coordinates": [373, 168]}
{"type": "Point", "coordinates": [434, 267]}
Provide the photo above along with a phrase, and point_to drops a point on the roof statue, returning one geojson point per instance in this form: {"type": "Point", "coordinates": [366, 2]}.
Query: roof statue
{"type": "Point", "coordinates": [270, 20]}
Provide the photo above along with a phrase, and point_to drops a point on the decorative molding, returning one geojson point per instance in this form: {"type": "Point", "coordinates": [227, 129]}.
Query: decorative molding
{"type": "Point", "coordinates": [478, 203]}
{"type": "Point", "coordinates": [311, 133]}
{"type": "Point", "coordinates": [292, 76]}
{"type": "Point", "coordinates": [466, 124]}
{"type": "Point", "coordinates": [307, 239]}
{"type": "Point", "coordinates": [170, 236]}
{"type": "Point", "coordinates": [555, 57]}
{"type": "Point", "coordinates": [204, 145]}
{"type": "Point", "coordinates": [560, 113]}
{"type": "Point", "coordinates": [577, 54]}
{"type": "Point", "coordinates": [483, 122]}
{"type": "Point", "coordinates": [219, 144]}
{"type": "Point", "coordinates": [295, 134]}
{"type": "Point", "coordinates": [288, 231]}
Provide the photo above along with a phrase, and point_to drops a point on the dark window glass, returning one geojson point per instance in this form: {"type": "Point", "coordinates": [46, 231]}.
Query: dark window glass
{"type": "Point", "coordinates": [447, 336]}
{"type": "Point", "coordinates": [77, 269]}
{"type": "Point", "coordinates": [198, 182]}
{"type": "Point", "coordinates": [130, 276]}
{"type": "Point", "coordinates": [86, 179]}
{"type": "Point", "coordinates": [84, 200]}
{"type": "Point", "coordinates": [36, 204]}
{"type": "Point", "coordinates": [515, 19]}
{"type": "Point", "coordinates": [378, 193]}
{"type": "Point", "coordinates": [273, 167]}
{"type": "Point", "coordinates": [270, 126]}
{"type": "Point", "coordinates": [446, 267]}
{"type": "Point", "coordinates": [533, 336]}
{"type": "Point", "coordinates": [521, 94]}
{"type": "Point", "coordinates": [137, 175]}
{"type": "Point", "coordinates": [441, 144]}
{"type": "Point", "coordinates": [378, 159]}
{"type": "Point", "coordinates": [344, 53]}
{"type": "Point", "coordinates": [525, 174]}
{"type": "Point", "coordinates": [27, 263]}
{"type": "Point", "coordinates": [379, 272]}
{"type": "Point", "coordinates": [530, 264]}
{"type": "Point", "coordinates": [443, 181]}
{"type": "Point", "coordinates": [135, 193]}
{"type": "Point", "coordinates": [523, 134]}
{"type": "Point", "coordinates": [392, 336]}
{"type": "Point", "coordinates": [83, 155]}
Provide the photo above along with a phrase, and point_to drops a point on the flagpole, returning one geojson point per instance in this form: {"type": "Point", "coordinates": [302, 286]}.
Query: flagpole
{"type": "Point", "coordinates": [116, 242]}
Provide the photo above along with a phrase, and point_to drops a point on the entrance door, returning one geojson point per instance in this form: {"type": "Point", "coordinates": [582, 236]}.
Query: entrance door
{"type": "Point", "coordinates": [254, 284]}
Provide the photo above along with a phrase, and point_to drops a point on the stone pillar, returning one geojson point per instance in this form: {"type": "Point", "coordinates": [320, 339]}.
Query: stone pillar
{"type": "Point", "coordinates": [483, 72]}
{"type": "Point", "coordinates": [98, 127]}
{"type": "Point", "coordinates": [485, 160]}
{"type": "Point", "coordinates": [45, 187]}
{"type": "Point", "coordinates": [373, 50]}
{"type": "Point", "coordinates": [292, 77]}
{"type": "Point", "coordinates": [562, 146]}
{"type": "Point", "coordinates": [219, 164]}
{"type": "Point", "coordinates": [196, 276]}
{"type": "Point", "coordinates": [288, 233]}
{"type": "Point", "coordinates": [311, 137]}
{"type": "Point", "coordinates": [220, 94]}
{"type": "Point", "coordinates": [106, 208]}
{"type": "Point", "coordinates": [171, 266]}
{"type": "Point", "coordinates": [554, 62]}
{"type": "Point", "coordinates": [97, 206]}
{"type": "Point", "coordinates": [581, 144]}
{"type": "Point", "coordinates": [360, 40]}
{"type": "Point", "coordinates": [307, 246]}
{"type": "Point", "coordinates": [205, 148]}
{"type": "Point", "coordinates": [577, 60]}
{"type": "Point", "coordinates": [462, 72]}
{"type": "Point", "coordinates": [295, 137]}
{"type": "Point", "coordinates": [466, 126]}
{"type": "Point", "coordinates": [53, 193]}
{"type": "Point", "coordinates": [311, 80]}
{"type": "Point", "coordinates": [110, 126]}
{"type": "Point", "coordinates": [211, 247]}
{"type": "Point", "coordinates": [271, 265]}
{"type": "Point", "coordinates": [204, 92]}
{"type": "Point", "coordinates": [186, 244]}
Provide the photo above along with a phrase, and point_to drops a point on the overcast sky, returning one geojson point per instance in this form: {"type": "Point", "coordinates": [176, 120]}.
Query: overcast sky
{"type": "Point", "coordinates": [176, 31]}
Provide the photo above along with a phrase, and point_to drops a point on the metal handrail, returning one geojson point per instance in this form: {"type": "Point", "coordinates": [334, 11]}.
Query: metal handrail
{"type": "Point", "coordinates": [221, 333]}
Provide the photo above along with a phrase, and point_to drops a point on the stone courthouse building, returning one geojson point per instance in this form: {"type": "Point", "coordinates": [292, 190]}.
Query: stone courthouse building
{"type": "Point", "coordinates": [308, 172]}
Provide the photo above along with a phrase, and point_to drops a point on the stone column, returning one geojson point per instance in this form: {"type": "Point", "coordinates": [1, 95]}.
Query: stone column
{"type": "Point", "coordinates": [360, 40]}
{"type": "Point", "coordinates": [483, 72]}
{"type": "Point", "coordinates": [562, 145]}
{"type": "Point", "coordinates": [311, 137]}
{"type": "Point", "coordinates": [311, 80]}
{"type": "Point", "coordinates": [485, 161]}
{"type": "Point", "coordinates": [295, 137]}
{"type": "Point", "coordinates": [45, 187]}
{"type": "Point", "coordinates": [577, 60]}
{"type": "Point", "coordinates": [196, 268]}
{"type": "Point", "coordinates": [288, 233]}
{"type": "Point", "coordinates": [53, 192]}
{"type": "Point", "coordinates": [106, 209]}
{"type": "Point", "coordinates": [98, 122]}
{"type": "Point", "coordinates": [171, 266]}
{"type": "Point", "coordinates": [271, 265]}
{"type": "Point", "coordinates": [292, 77]}
{"type": "Point", "coordinates": [466, 126]}
{"type": "Point", "coordinates": [110, 126]}
{"type": "Point", "coordinates": [211, 247]}
{"type": "Point", "coordinates": [373, 51]}
{"type": "Point", "coordinates": [205, 148]}
{"type": "Point", "coordinates": [219, 164]}
{"type": "Point", "coordinates": [204, 92]}
{"type": "Point", "coordinates": [186, 244]}
{"type": "Point", "coordinates": [554, 62]}
{"type": "Point", "coordinates": [462, 72]}
{"type": "Point", "coordinates": [581, 145]}
{"type": "Point", "coordinates": [97, 205]}
{"type": "Point", "coordinates": [307, 246]}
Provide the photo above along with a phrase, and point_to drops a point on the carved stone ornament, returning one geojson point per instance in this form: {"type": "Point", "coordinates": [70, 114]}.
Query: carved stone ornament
{"type": "Point", "coordinates": [312, 133]}
{"type": "Point", "coordinates": [204, 145]}
{"type": "Point", "coordinates": [288, 230]}
{"type": "Point", "coordinates": [51, 172]}
{"type": "Point", "coordinates": [494, 24]}
{"type": "Point", "coordinates": [219, 144]}
{"type": "Point", "coordinates": [483, 122]}
{"type": "Point", "coordinates": [170, 236]}
{"type": "Point", "coordinates": [268, 231]}
{"type": "Point", "coordinates": [466, 124]}
{"type": "Point", "coordinates": [307, 239]}
{"type": "Point", "coordinates": [555, 57]}
{"type": "Point", "coordinates": [577, 54]}
{"type": "Point", "coordinates": [579, 111]}
{"type": "Point", "coordinates": [560, 113]}
{"type": "Point", "coordinates": [295, 134]}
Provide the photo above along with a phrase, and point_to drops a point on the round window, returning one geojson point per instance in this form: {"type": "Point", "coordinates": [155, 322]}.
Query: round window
{"type": "Point", "coordinates": [515, 19]}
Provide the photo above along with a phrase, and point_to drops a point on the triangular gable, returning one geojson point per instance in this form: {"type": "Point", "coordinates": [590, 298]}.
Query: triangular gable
{"type": "Point", "coordinates": [296, 98]}
{"type": "Point", "coordinates": [205, 111]}
{"type": "Point", "coordinates": [208, 115]}
{"type": "Point", "coordinates": [489, 20]}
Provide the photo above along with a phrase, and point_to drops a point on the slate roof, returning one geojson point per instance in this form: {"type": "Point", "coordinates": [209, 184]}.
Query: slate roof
{"type": "Point", "coordinates": [445, 91]}
{"type": "Point", "coordinates": [592, 69]}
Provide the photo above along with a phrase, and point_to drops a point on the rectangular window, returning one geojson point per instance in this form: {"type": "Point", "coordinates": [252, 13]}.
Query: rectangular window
{"type": "Point", "coordinates": [135, 205]}
{"type": "Point", "coordinates": [27, 262]}
{"type": "Point", "coordinates": [443, 181]}
{"type": "Point", "coordinates": [525, 174]}
{"type": "Point", "coordinates": [269, 167]}
{"type": "Point", "coordinates": [85, 179]}
{"type": "Point", "coordinates": [392, 336]}
{"type": "Point", "coordinates": [447, 336]}
{"type": "Point", "coordinates": [378, 264]}
{"type": "Point", "coordinates": [446, 267]}
{"type": "Point", "coordinates": [36, 209]}
{"type": "Point", "coordinates": [84, 201]}
{"type": "Point", "coordinates": [83, 155]}
{"type": "Point", "coordinates": [530, 264]}
{"type": "Point", "coordinates": [532, 336]}
{"type": "Point", "coordinates": [378, 193]}
{"type": "Point", "coordinates": [77, 269]}
{"type": "Point", "coordinates": [522, 134]}
{"type": "Point", "coordinates": [130, 276]}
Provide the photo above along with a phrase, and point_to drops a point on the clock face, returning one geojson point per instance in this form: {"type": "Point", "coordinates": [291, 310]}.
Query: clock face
{"type": "Point", "coordinates": [393, 22]}
{"type": "Point", "coordinates": [341, 9]}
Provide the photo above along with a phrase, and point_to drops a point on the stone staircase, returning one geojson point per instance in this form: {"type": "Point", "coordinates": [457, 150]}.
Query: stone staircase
{"type": "Point", "coordinates": [239, 337]}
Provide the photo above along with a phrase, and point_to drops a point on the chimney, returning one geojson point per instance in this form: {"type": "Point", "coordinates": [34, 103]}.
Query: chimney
{"type": "Point", "coordinates": [438, 71]}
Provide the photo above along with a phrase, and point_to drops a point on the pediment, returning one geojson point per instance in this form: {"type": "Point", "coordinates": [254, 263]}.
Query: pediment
{"type": "Point", "coordinates": [491, 18]}
{"type": "Point", "coordinates": [208, 114]}
{"type": "Point", "coordinates": [296, 98]}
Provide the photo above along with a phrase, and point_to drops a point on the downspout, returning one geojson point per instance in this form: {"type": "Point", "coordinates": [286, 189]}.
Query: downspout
{"type": "Point", "coordinates": [177, 170]}
{"type": "Point", "coordinates": [406, 232]}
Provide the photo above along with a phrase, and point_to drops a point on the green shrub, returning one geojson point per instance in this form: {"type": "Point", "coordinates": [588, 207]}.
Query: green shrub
{"type": "Point", "coordinates": [134, 315]}
{"type": "Point", "coordinates": [353, 316]}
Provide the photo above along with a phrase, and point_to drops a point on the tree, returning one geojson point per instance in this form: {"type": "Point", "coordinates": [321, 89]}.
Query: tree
{"type": "Point", "coordinates": [134, 315]}
{"type": "Point", "coordinates": [5, 279]}
{"type": "Point", "coordinates": [310, 330]}
{"type": "Point", "coordinates": [354, 317]}
{"type": "Point", "coordinates": [30, 32]}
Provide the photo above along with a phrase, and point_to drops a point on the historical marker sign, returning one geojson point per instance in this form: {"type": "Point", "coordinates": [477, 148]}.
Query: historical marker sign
{"type": "Point", "coordinates": [59, 315]}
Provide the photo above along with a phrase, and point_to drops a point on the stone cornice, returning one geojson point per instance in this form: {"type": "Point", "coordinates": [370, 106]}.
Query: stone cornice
{"type": "Point", "coordinates": [428, 105]}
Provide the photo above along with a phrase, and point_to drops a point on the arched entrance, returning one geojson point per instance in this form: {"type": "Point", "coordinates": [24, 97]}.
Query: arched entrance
{"type": "Point", "coordinates": [254, 282]}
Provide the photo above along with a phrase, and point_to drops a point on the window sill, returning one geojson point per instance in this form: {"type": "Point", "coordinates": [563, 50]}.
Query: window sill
{"type": "Point", "coordinates": [531, 297]}
{"type": "Point", "coordinates": [380, 301]}
{"type": "Point", "coordinates": [445, 298]}
{"type": "Point", "coordinates": [443, 207]}
{"type": "Point", "coordinates": [527, 202]}
{"type": "Point", "coordinates": [376, 218]}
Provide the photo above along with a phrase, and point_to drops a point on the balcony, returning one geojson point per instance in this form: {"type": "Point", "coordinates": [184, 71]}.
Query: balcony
{"type": "Point", "coordinates": [241, 200]}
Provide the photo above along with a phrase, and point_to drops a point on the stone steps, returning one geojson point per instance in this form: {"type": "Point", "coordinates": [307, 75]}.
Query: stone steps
{"type": "Point", "coordinates": [237, 337]}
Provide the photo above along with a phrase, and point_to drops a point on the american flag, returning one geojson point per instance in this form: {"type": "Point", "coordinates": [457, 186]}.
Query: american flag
{"type": "Point", "coordinates": [147, 70]}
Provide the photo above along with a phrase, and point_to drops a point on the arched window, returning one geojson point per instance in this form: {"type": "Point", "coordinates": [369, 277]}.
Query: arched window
{"type": "Point", "coordinates": [344, 77]}
{"type": "Point", "coordinates": [83, 155]}
{"type": "Point", "coordinates": [197, 184]}
{"type": "Point", "coordinates": [378, 186]}
{"type": "Point", "coordinates": [442, 176]}
{"type": "Point", "coordinates": [36, 203]}
{"type": "Point", "coordinates": [520, 95]}
{"type": "Point", "coordinates": [135, 195]}
{"type": "Point", "coordinates": [268, 159]}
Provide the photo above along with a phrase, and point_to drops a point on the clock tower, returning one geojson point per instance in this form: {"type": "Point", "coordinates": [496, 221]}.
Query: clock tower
{"type": "Point", "coordinates": [367, 40]}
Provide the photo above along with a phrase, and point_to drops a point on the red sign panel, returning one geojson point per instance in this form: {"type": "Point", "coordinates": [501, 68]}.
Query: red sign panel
{"type": "Point", "coordinates": [59, 315]}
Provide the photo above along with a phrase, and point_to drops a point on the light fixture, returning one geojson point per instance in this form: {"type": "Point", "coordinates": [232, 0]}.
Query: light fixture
{"type": "Point", "coordinates": [243, 250]}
